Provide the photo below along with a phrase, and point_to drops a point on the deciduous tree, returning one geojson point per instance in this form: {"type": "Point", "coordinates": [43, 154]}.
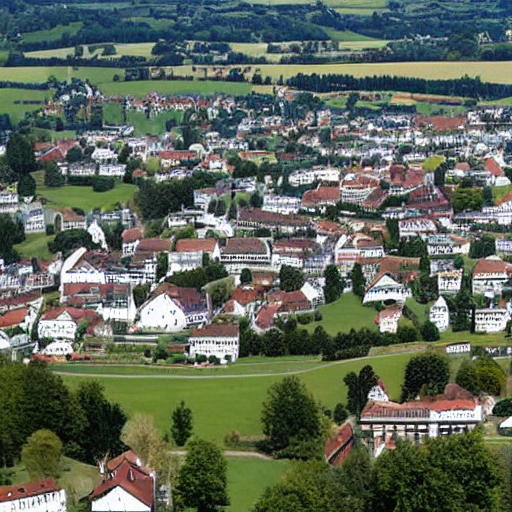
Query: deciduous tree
{"type": "Point", "coordinates": [182, 424]}
{"type": "Point", "coordinates": [42, 454]}
{"type": "Point", "coordinates": [428, 373]}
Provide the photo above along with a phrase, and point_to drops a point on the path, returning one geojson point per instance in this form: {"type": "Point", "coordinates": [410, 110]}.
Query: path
{"type": "Point", "coordinates": [233, 376]}
{"type": "Point", "coordinates": [232, 453]}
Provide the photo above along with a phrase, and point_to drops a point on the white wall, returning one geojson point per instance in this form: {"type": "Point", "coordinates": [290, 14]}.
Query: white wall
{"type": "Point", "coordinates": [162, 314]}
{"type": "Point", "coordinates": [49, 502]}
{"type": "Point", "coordinates": [118, 500]}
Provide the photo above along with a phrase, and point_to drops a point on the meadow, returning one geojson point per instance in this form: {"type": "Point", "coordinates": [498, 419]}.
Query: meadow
{"type": "Point", "coordinates": [53, 34]}
{"type": "Point", "coordinates": [35, 244]}
{"type": "Point", "coordinates": [131, 49]}
{"type": "Point", "coordinates": [223, 404]}
{"type": "Point", "coordinates": [42, 73]}
{"type": "Point", "coordinates": [85, 198]}
{"type": "Point", "coordinates": [17, 110]}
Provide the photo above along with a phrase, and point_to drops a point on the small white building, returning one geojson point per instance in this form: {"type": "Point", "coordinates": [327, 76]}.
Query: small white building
{"type": "Point", "coordinates": [386, 288]}
{"type": "Point", "coordinates": [58, 348]}
{"type": "Point", "coordinates": [491, 320]}
{"type": "Point", "coordinates": [439, 314]}
{"type": "Point", "coordinates": [97, 235]}
{"type": "Point", "coordinates": [221, 341]}
{"type": "Point", "coordinates": [389, 318]}
{"type": "Point", "coordinates": [281, 204]}
{"type": "Point", "coordinates": [449, 281]}
{"type": "Point", "coordinates": [38, 496]}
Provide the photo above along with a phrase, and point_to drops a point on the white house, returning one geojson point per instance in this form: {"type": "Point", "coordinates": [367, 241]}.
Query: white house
{"type": "Point", "coordinates": [38, 496]}
{"type": "Point", "coordinates": [221, 341]}
{"type": "Point", "coordinates": [389, 318]}
{"type": "Point", "coordinates": [240, 253]}
{"type": "Point", "coordinates": [97, 235]}
{"type": "Point", "coordinates": [490, 274]}
{"type": "Point", "coordinates": [439, 314]}
{"type": "Point", "coordinates": [58, 348]}
{"type": "Point", "coordinates": [491, 319]}
{"type": "Point", "coordinates": [378, 393]}
{"type": "Point", "coordinates": [104, 156]}
{"type": "Point", "coordinates": [281, 204]}
{"type": "Point", "coordinates": [172, 309]}
{"type": "Point", "coordinates": [449, 281]}
{"type": "Point", "coordinates": [63, 322]}
{"type": "Point", "coordinates": [386, 289]}
{"type": "Point", "coordinates": [112, 170]}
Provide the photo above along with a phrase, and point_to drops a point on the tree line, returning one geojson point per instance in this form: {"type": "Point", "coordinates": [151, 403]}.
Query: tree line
{"type": "Point", "coordinates": [465, 86]}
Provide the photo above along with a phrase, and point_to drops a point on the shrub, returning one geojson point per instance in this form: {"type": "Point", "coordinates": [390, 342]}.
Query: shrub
{"type": "Point", "coordinates": [318, 316]}
{"type": "Point", "coordinates": [503, 407]}
{"type": "Point", "coordinates": [50, 229]}
{"type": "Point", "coordinates": [102, 183]}
{"type": "Point", "coordinates": [340, 414]}
{"type": "Point", "coordinates": [201, 358]}
{"type": "Point", "coordinates": [213, 360]}
{"type": "Point", "coordinates": [147, 352]}
{"type": "Point", "coordinates": [232, 438]}
{"type": "Point", "coordinates": [305, 319]}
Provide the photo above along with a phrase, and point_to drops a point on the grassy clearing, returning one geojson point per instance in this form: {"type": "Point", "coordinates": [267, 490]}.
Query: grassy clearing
{"type": "Point", "coordinates": [499, 193]}
{"type": "Point", "coordinates": [248, 478]}
{"type": "Point", "coordinates": [432, 163]}
{"type": "Point", "coordinates": [52, 34]}
{"type": "Point", "coordinates": [222, 404]}
{"type": "Point", "coordinates": [85, 198]}
{"type": "Point", "coordinates": [77, 479]}
{"type": "Point", "coordinates": [35, 244]}
{"type": "Point", "coordinates": [143, 88]}
{"type": "Point", "coordinates": [42, 73]}
{"type": "Point", "coordinates": [345, 314]}
{"type": "Point", "coordinates": [17, 110]}
{"type": "Point", "coordinates": [131, 49]}
{"type": "Point", "coordinates": [421, 310]}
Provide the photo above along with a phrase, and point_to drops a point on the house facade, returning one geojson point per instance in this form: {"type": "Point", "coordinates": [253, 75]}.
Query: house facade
{"type": "Point", "coordinates": [491, 320]}
{"type": "Point", "coordinates": [389, 318]}
{"type": "Point", "coordinates": [387, 289]}
{"type": "Point", "coordinates": [439, 314]}
{"type": "Point", "coordinates": [221, 341]}
{"type": "Point", "coordinates": [449, 281]}
{"type": "Point", "coordinates": [37, 496]}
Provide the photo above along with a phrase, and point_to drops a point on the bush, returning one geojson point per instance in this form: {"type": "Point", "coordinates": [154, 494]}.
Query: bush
{"type": "Point", "coordinates": [318, 316]}
{"type": "Point", "coordinates": [50, 229]}
{"type": "Point", "coordinates": [201, 358]}
{"type": "Point", "coordinates": [160, 353]}
{"type": "Point", "coordinates": [340, 414]}
{"type": "Point", "coordinates": [503, 407]}
{"type": "Point", "coordinates": [429, 331]}
{"type": "Point", "coordinates": [147, 352]}
{"type": "Point", "coordinates": [102, 183]}
{"type": "Point", "coordinates": [232, 438]}
{"type": "Point", "coordinates": [213, 360]}
{"type": "Point", "coordinates": [305, 319]}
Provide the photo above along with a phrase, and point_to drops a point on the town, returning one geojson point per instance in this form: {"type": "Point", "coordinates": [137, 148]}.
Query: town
{"type": "Point", "coordinates": [265, 226]}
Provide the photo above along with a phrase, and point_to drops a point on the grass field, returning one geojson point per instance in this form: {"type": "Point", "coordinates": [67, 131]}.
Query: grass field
{"type": "Point", "coordinates": [222, 404]}
{"type": "Point", "coordinates": [35, 244]}
{"type": "Point", "coordinates": [52, 34]}
{"type": "Point", "coordinates": [42, 73]}
{"type": "Point", "coordinates": [16, 111]}
{"type": "Point", "coordinates": [248, 478]}
{"type": "Point", "coordinates": [85, 198]}
{"type": "Point", "coordinates": [345, 314]}
{"type": "Point", "coordinates": [132, 49]}
{"type": "Point", "coordinates": [499, 193]}
{"type": "Point", "coordinates": [432, 163]}
{"type": "Point", "coordinates": [142, 88]}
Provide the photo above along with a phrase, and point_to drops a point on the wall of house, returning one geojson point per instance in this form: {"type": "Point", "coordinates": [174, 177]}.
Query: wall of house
{"type": "Point", "coordinates": [57, 329]}
{"type": "Point", "coordinates": [162, 314]}
{"type": "Point", "coordinates": [118, 500]}
{"type": "Point", "coordinates": [49, 502]}
{"type": "Point", "coordinates": [217, 346]}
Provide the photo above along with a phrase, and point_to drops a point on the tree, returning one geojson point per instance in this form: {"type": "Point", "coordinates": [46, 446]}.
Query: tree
{"type": "Point", "coordinates": [70, 240]}
{"type": "Point", "coordinates": [291, 278]}
{"type": "Point", "coordinates": [41, 455]}
{"type": "Point", "coordinates": [482, 247]}
{"type": "Point", "coordinates": [458, 262]}
{"type": "Point", "coordinates": [334, 284]}
{"type": "Point", "coordinates": [256, 200]}
{"type": "Point", "coordinates": [26, 186]}
{"type": "Point", "coordinates": [20, 156]}
{"type": "Point", "coordinates": [202, 480]}
{"type": "Point", "coordinates": [124, 154]}
{"type": "Point", "coordinates": [339, 414]}
{"type": "Point", "coordinates": [358, 282]}
{"type": "Point", "coordinates": [429, 331]}
{"type": "Point", "coordinates": [290, 415]}
{"type": "Point", "coordinates": [53, 176]}
{"type": "Point", "coordinates": [232, 211]}
{"type": "Point", "coordinates": [428, 373]}
{"type": "Point", "coordinates": [503, 408]}
{"type": "Point", "coordinates": [246, 276]}
{"type": "Point", "coordinates": [74, 154]}
{"type": "Point", "coordinates": [359, 385]}
{"type": "Point", "coordinates": [162, 265]}
{"type": "Point", "coordinates": [140, 294]}
{"type": "Point", "coordinates": [483, 374]}
{"type": "Point", "coordinates": [11, 232]}
{"type": "Point", "coordinates": [140, 434]}
{"type": "Point", "coordinates": [182, 422]}
{"type": "Point", "coordinates": [467, 199]}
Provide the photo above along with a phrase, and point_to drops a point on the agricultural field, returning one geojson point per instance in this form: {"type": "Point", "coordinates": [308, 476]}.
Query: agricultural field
{"type": "Point", "coordinates": [142, 88]}
{"type": "Point", "coordinates": [53, 34]}
{"type": "Point", "coordinates": [132, 49]}
{"type": "Point", "coordinates": [85, 198]}
{"type": "Point", "coordinates": [41, 74]}
{"type": "Point", "coordinates": [345, 314]}
{"type": "Point", "coordinates": [217, 409]}
{"type": "Point", "coordinates": [35, 244]}
{"type": "Point", "coordinates": [15, 102]}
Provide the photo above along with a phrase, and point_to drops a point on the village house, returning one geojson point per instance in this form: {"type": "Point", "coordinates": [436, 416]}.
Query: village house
{"type": "Point", "coordinates": [131, 238]}
{"type": "Point", "coordinates": [292, 252]}
{"type": "Point", "coordinates": [104, 156]}
{"type": "Point", "coordinates": [489, 275]}
{"type": "Point", "coordinates": [308, 177]}
{"type": "Point", "coordinates": [33, 218]}
{"type": "Point", "coordinates": [350, 249]}
{"type": "Point", "coordinates": [384, 289]}
{"type": "Point", "coordinates": [172, 309]}
{"type": "Point", "coordinates": [174, 158]}
{"type": "Point", "coordinates": [203, 197]}
{"type": "Point", "coordinates": [264, 319]}
{"type": "Point", "coordinates": [221, 341]}
{"type": "Point", "coordinates": [439, 314]}
{"type": "Point", "coordinates": [72, 220]}
{"type": "Point", "coordinates": [403, 181]}
{"type": "Point", "coordinates": [416, 227]}
{"type": "Point", "coordinates": [490, 320]}
{"type": "Point", "coordinates": [290, 302]}
{"type": "Point", "coordinates": [441, 245]}
{"type": "Point", "coordinates": [504, 244]}
{"type": "Point", "coordinates": [449, 281]}
{"type": "Point", "coordinates": [383, 422]}
{"type": "Point", "coordinates": [249, 219]}
{"type": "Point", "coordinates": [63, 323]}
{"type": "Point", "coordinates": [240, 253]}
{"type": "Point", "coordinates": [9, 194]}
{"type": "Point", "coordinates": [244, 300]}
{"type": "Point", "coordinates": [81, 170]}
{"type": "Point", "coordinates": [36, 496]}
{"type": "Point", "coordinates": [388, 319]}
{"type": "Point", "coordinates": [112, 170]}
{"type": "Point", "coordinates": [356, 188]}
{"type": "Point", "coordinates": [320, 197]}
{"type": "Point", "coordinates": [285, 205]}
{"type": "Point", "coordinates": [188, 254]}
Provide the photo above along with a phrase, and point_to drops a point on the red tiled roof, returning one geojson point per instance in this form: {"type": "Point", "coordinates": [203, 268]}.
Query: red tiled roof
{"type": "Point", "coordinates": [70, 216]}
{"type": "Point", "coordinates": [320, 196]}
{"type": "Point", "coordinates": [28, 489]}
{"type": "Point", "coordinates": [290, 301]}
{"type": "Point", "coordinates": [462, 166]}
{"type": "Point", "coordinates": [245, 246]}
{"type": "Point", "coordinates": [338, 447]}
{"type": "Point", "coordinates": [442, 123]}
{"type": "Point", "coordinates": [246, 294]}
{"type": "Point", "coordinates": [12, 318]}
{"type": "Point", "coordinates": [193, 245]}
{"type": "Point", "coordinates": [490, 266]}
{"type": "Point", "coordinates": [271, 218]}
{"type": "Point", "coordinates": [216, 331]}
{"type": "Point", "coordinates": [18, 300]}
{"type": "Point", "coordinates": [177, 155]}
{"type": "Point", "coordinates": [130, 235]}
{"type": "Point", "coordinates": [129, 456]}
{"type": "Point", "coordinates": [75, 313]}
{"type": "Point", "coordinates": [390, 312]}
{"type": "Point", "coordinates": [294, 245]}
{"type": "Point", "coordinates": [493, 167]}
{"type": "Point", "coordinates": [265, 316]}
{"type": "Point", "coordinates": [154, 245]}
{"type": "Point", "coordinates": [130, 478]}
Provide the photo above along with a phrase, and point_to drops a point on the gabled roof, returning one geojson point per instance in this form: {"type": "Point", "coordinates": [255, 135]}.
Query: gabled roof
{"type": "Point", "coordinates": [130, 235]}
{"type": "Point", "coordinates": [320, 196]}
{"type": "Point", "coordinates": [129, 456]}
{"type": "Point", "coordinates": [493, 167]}
{"type": "Point", "coordinates": [195, 245]}
{"type": "Point", "coordinates": [27, 490]}
{"type": "Point", "coordinates": [12, 318]}
{"type": "Point", "coordinates": [154, 245]}
{"type": "Point", "coordinates": [245, 246]}
{"type": "Point", "coordinates": [491, 265]}
{"type": "Point", "coordinates": [130, 478]}
{"type": "Point", "coordinates": [216, 331]}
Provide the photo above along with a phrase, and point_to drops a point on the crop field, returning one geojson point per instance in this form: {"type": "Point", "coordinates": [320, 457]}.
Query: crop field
{"type": "Point", "coordinates": [85, 198]}
{"type": "Point", "coordinates": [52, 34]}
{"type": "Point", "coordinates": [132, 49]}
{"type": "Point", "coordinates": [142, 88]}
{"type": "Point", "coordinates": [35, 244]}
{"type": "Point", "coordinates": [221, 404]}
{"type": "Point", "coordinates": [42, 73]}
{"type": "Point", "coordinates": [14, 102]}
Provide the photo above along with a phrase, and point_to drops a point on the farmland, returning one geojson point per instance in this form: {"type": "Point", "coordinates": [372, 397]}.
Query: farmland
{"type": "Point", "coordinates": [159, 395]}
{"type": "Point", "coordinates": [14, 102]}
{"type": "Point", "coordinates": [85, 198]}
{"type": "Point", "coordinates": [132, 49]}
{"type": "Point", "coordinates": [53, 34]}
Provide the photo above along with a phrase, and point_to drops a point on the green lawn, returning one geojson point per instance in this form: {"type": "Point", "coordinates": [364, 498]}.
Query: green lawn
{"type": "Point", "coordinates": [85, 198]}
{"type": "Point", "coordinates": [248, 478]}
{"type": "Point", "coordinates": [223, 404]}
{"type": "Point", "coordinates": [421, 310]}
{"type": "Point", "coordinates": [345, 314]}
{"type": "Point", "coordinates": [432, 163]}
{"type": "Point", "coordinates": [17, 110]}
{"type": "Point", "coordinates": [77, 479]}
{"type": "Point", "coordinates": [42, 73]}
{"type": "Point", "coordinates": [499, 193]}
{"type": "Point", "coordinates": [142, 88]}
{"type": "Point", "coordinates": [35, 244]}
{"type": "Point", "coordinates": [52, 34]}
